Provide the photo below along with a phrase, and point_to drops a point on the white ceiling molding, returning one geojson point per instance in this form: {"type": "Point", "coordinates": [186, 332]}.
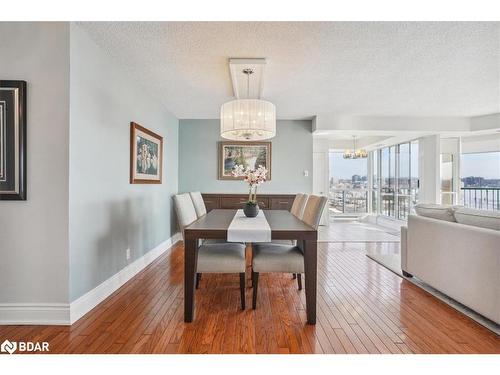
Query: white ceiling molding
{"type": "Point", "coordinates": [241, 82]}
{"type": "Point", "coordinates": [377, 132]}
{"type": "Point", "coordinates": [329, 123]}
{"type": "Point", "coordinates": [487, 122]}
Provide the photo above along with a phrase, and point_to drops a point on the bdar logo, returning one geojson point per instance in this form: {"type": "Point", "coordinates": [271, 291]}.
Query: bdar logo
{"type": "Point", "coordinates": [8, 347]}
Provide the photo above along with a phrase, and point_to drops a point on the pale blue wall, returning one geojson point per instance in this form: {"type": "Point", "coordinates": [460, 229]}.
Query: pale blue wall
{"type": "Point", "coordinates": [292, 153]}
{"type": "Point", "coordinates": [107, 215]}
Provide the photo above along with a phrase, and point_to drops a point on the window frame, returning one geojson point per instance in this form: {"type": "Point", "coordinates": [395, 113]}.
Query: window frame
{"type": "Point", "coordinates": [393, 181]}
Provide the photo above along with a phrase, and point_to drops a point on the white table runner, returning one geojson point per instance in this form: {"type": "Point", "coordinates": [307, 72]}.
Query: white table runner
{"type": "Point", "coordinates": [249, 229]}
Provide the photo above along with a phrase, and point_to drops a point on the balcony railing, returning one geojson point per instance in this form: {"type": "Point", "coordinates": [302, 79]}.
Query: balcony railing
{"type": "Point", "coordinates": [482, 198]}
{"type": "Point", "coordinates": [355, 201]}
{"type": "Point", "coordinates": [348, 201]}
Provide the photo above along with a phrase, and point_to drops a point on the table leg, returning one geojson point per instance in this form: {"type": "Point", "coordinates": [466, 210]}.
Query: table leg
{"type": "Point", "coordinates": [310, 271]}
{"type": "Point", "coordinates": [190, 260]}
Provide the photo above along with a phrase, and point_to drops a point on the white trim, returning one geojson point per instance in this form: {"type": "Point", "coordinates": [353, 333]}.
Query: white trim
{"type": "Point", "coordinates": [67, 314]}
{"type": "Point", "coordinates": [34, 313]}
{"type": "Point", "coordinates": [91, 299]}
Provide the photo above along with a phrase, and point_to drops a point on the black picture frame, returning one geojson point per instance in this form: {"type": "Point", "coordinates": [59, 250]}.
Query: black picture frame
{"type": "Point", "coordinates": [14, 150]}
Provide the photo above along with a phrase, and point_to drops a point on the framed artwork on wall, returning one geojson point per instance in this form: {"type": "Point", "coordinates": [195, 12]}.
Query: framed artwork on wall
{"type": "Point", "coordinates": [146, 155]}
{"type": "Point", "coordinates": [248, 154]}
{"type": "Point", "coordinates": [12, 140]}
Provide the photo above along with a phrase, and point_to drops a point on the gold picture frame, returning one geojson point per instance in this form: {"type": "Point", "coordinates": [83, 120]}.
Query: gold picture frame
{"type": "Point", "coordinates": [250, 154]}
{"type": "Point", "coordinates": [146, 155]}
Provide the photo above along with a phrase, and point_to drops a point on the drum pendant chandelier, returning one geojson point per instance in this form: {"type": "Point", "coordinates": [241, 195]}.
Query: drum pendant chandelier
{"type": "Point", "coordinates": [248, 119]}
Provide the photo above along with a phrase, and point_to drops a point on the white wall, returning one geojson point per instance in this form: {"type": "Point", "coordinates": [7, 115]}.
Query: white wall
{"type": "Point", "coordinates": [429, 169]}
{"type": "Point", "coordinates": [34, 233]}
{"type": "Point", "coordinates": [481, 143]}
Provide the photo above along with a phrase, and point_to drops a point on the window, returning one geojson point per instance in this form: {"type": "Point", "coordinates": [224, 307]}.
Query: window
{"type": "Point", "coordinates": [447, 194]}
{"type": "Point", "coordinates": [395, 193]}
{"type": "Point", "coordinates": [348, 185]}
{"type": "Point", "coordinates": [404, 197]}
{"type": "Point", "coordinates": [414, 182]}
{"type": "Point", "coordinates": [387, 175]}
{"type": "Point", "coordinates": [375, 182]}
{"type": "Point", "coordinates": [480, 180]}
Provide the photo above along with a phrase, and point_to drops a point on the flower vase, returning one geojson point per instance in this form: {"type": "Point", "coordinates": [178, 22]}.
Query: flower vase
{"type": "Point", "coordinates": [251, 209]}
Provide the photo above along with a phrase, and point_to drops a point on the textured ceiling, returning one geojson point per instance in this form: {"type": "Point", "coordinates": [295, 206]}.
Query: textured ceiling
{"type": "Point", "coordinates": [359, 68]}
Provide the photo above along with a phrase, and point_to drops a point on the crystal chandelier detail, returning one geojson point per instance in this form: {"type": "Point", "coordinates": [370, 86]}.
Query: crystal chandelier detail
{"type": "Point", "coordinates": [355, 153]}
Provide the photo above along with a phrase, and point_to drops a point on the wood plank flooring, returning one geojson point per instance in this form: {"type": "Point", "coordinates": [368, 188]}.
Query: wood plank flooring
{"type": "Point", "coordinates": [362, 308]}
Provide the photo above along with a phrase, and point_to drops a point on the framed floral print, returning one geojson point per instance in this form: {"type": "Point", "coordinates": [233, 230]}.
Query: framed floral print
{"type": "Point", "coordinates": [146, 155]}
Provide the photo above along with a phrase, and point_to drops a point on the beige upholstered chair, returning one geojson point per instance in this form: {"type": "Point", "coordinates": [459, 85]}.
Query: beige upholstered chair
{"type": "Point", "coordinates": [271, 257]}
{"type": "Point", "coordinates": [299, 203]}
{"type": "Point", "coordinates": [185, 211]}
{"type": "Point", "coordinates": [199, 204]}
{"type": "Point", "coordinates": [212, 257]}
{"type": "Point", "coordinates": [201, 210]}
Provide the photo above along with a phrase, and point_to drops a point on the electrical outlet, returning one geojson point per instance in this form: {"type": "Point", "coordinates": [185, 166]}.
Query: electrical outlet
{"type": "Point", "coordinates": [127, 254]}
{"type": "Point", "coordinates": [306, 173]}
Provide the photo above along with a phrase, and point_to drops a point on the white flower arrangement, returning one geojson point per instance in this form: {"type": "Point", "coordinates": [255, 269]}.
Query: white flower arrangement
{"type": "Point", "coordinates": [253, 177]}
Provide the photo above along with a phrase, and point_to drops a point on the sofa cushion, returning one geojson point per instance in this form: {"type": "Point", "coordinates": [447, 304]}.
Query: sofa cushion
{"type": "Point", "coordinates": [478, 218]}
{"type": "Point", "coordinates": [435, 211]}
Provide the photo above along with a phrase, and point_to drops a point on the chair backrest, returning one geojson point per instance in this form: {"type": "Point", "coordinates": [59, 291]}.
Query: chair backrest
{"type": "Point", "coordinates": [299, 204]}
{"type": "Point", "coordinates": [314, 209]}
{"type": "Point", "coordinates": [199, 204]}
{"type": "Point", "coordinates": [185, 211]}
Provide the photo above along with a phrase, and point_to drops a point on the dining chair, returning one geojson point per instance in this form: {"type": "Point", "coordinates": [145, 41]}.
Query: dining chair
{"type": "Point", "coordinates": [201, 210]}
{"type": "Point", "coordinates": [226, 257]}
{"type": "Point", "coordinates": [199, 204]}
{"type": "Point", "coordinates": [298, 205]}
{"type": "Point", "coordinates": [271, 257]}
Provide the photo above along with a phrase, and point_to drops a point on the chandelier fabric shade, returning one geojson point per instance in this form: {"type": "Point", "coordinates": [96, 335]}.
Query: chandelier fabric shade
{"type": "Point", "coordinates": [248, 120]}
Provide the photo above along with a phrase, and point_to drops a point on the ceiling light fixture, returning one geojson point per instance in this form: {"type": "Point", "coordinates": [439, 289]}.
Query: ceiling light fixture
{"type": "Point", "coordinates": [248, 119]}
{"type": "Point", "coordinates": [355, 153]}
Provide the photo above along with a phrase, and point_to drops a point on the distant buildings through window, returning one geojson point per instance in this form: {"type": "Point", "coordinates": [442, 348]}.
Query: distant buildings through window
{"type": "Point", "coordinates": [348, 186]}
{"type": "Point", "coordinates": [480, 180]}
{"type": "Point", "coordinates": [393, 190]}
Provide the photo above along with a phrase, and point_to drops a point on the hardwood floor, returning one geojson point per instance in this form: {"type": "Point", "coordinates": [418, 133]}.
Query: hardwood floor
{"type": "Point", "coordinates": [362, 308]}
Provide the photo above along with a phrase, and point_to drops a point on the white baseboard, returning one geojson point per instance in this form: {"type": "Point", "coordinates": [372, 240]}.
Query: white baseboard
{"type": "Point", "coordinates": [91, 299]}
{"type": "Point", "coordinates": [34, 313]}
{"type": "Point", "coordinates": [67, 314]}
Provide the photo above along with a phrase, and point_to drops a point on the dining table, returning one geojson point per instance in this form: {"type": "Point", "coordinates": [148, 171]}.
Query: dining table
{"type": "Point", "coordinates": [284, 226]}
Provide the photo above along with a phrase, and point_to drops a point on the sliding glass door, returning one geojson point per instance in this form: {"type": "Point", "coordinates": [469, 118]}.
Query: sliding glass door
{"type": "Point", "coordinates": [404, 196]}
{"type": "Point", "coordinates": [387, 181]}
{"type": "Point", "coordinates": [414, 181]}
{"type": "Point", "coordinates": [395, 180]}
{"type": "Point", "coordinates": [375, 184]}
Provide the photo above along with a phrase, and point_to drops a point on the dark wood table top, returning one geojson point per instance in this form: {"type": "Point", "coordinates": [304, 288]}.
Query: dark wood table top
{"type": "Point", "coordinates": [283, 225]}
